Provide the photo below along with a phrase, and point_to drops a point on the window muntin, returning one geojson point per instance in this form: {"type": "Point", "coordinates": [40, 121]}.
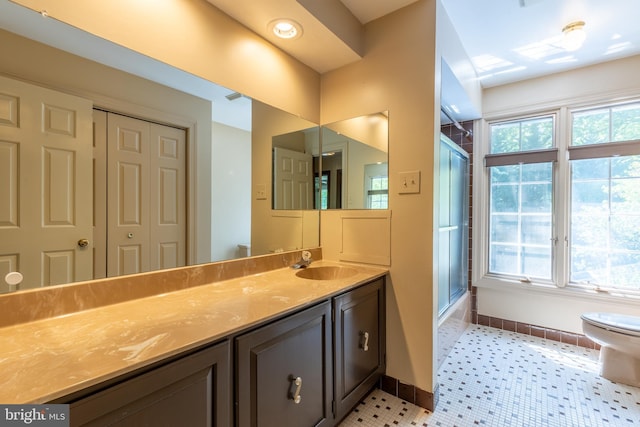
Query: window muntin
{"type": "Point", "coordinates": [520, 166]}
{"type": "Point", "coordinates": [595, 206]}
{"type": "Point", "coordinates": [376, 185]}
{"type": "Point", "coordinates": [605, 222]}
{"type": "Point", "coordinates": [606, 125]}
{"type": "Point", "coordinates": [378, 192]}
{"type": "Point", "coordinates": [604, 248]}
{"type": "Point", "coordinates": [522, 135]}
{"type": "Point", "coordinates": [521, 225]}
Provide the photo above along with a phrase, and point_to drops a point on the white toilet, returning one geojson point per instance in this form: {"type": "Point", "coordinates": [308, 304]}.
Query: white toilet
{"type": "Point", "coordinates": [619, 338]}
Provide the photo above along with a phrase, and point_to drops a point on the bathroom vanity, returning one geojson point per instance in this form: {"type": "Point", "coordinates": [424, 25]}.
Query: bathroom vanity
{"type": "Point", "coordinates": [285, 372]}
{"type": "Point", "coordinates": [272, 346]}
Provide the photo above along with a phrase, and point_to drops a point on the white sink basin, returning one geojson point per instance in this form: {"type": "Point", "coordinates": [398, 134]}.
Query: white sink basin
{"type": "Point", "coordinates": [327, 272]}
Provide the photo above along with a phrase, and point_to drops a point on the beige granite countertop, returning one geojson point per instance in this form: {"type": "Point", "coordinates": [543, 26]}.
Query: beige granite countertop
{"type": "Point", "coordinates": [47, 359]}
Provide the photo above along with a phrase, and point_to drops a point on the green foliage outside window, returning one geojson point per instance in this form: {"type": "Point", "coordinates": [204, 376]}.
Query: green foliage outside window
{"type": "Point", "coordinates": [611, 124]}
{"type": "Point", "coordinates": [521, 201]}
{"type": "Point", "coordinates": [605, 201]}
{"type": "Point", "coordinates": [524, 135]}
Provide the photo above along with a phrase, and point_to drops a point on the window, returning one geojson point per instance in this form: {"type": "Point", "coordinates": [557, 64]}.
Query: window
{"type": "Point", "coordinates": [376, 186]}
{"type": "Point", "coordinates": [605, 198]}
{"type": "Point", "coordinates": [520, 198]}
{"type": "Point", "coordinates": [583, 191]}
{"type": "Point", "coordinates": [378, 195]}
{"type": "Point", "coordinates": [521, 225]}
{"type": "Point", "coordinates": [322, 190]}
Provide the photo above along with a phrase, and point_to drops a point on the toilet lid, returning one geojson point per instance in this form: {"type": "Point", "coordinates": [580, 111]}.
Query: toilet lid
{"type": "Point", "coordinates": [621, 323]}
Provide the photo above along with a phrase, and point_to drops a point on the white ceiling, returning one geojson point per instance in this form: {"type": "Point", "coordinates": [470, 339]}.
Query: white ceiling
{"type": "Point", "coordinates": [511, 40]}
{"type": "Point", "coordinates": [507, 40]}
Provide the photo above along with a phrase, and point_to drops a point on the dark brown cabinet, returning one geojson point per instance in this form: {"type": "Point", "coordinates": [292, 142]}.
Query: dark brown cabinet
{"type": "Point", "coordinates": [359, 331]}
{"type": "Point", "coordinates": [305, 369]}
{"type": "Point", "coordinates": [284, 372]}
{"type": "Point", "coordinates": [312, 368]}
{"type": "Point", "coordinates": [192, 391]}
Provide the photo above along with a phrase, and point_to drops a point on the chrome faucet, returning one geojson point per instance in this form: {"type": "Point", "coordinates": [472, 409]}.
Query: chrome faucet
{"type": "Point", "coordinates": [304, 262]}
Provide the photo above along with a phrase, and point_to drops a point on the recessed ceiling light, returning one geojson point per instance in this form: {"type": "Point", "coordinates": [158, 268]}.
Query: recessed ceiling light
{"type": "Point", "coordinates": [285, 28]}
{"type": "Point", "coordinates": [574, 36]}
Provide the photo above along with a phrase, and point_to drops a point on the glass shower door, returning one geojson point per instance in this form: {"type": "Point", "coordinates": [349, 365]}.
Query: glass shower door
{"type": "Point", "coordinates": [453, 227]}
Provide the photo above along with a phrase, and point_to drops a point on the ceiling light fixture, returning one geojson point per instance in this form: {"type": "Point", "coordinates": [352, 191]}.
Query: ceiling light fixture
{"type": "Point", "coordinates": [573, 36]}
{"type": "Point", "coordinates": [285, 28]}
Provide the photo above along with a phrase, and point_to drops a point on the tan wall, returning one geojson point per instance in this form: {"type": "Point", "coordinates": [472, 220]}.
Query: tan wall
{"type": "Point", "coordinates": [196, 37]}
{"type": "Point", "coordinates": [397, 74]}
{"type": "Point", "coordinates": [231, 191]}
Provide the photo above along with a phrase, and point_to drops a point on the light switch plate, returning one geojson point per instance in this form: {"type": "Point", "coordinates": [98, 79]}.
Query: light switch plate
{"type": "Point", "coordinates": [261, 192]}
{"type": "Point", "coordinates": [409, 182]}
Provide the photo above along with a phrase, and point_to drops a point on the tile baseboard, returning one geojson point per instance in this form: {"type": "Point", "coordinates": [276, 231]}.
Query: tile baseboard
{"type": "Point", "coordinates": [409, 393]}
{"type": "Point", "coordinates": [535, 330]}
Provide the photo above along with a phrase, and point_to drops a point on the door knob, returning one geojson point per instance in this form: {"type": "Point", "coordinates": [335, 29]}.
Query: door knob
{"type": "Point", "coordinates": [13, 278]}
{"type": "Point", "coordinates": [83, 243]}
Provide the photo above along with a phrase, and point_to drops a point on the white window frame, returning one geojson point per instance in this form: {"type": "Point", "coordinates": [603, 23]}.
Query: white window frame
{"type": "Point", "coordinates": [561, 211]}
{"type": "Point", "coordinates": [371, 171]}
{"type": "Point", "coordinates": [606, 150]}
{"type": "Point", "coordinates": [481, 207]}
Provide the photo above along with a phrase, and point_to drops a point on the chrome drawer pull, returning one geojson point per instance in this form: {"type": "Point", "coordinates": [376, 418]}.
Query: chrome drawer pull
{"type": "Point", "coordinates": [365, 337]}
{"type": "Point", "coordinates": [295, 396]}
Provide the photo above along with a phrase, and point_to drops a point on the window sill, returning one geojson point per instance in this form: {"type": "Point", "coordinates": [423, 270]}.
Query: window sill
{"type": "Point", "coordinates": [516, 286]}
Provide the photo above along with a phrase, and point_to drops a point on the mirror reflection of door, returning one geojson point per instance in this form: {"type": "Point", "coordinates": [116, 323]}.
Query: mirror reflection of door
{"type": "Point", "coordinates": [144, 224]}
{"type": "Point", "coordinates": [292, 179]}
{"type": "Point", "coordinates": [45, 150]}
{"type": "Point", "coordinates": [58, 236]}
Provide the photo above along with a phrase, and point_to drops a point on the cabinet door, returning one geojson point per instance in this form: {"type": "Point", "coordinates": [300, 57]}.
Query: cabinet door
{"type": "Point", "coordinates": [284, 372]}
{"type": "Point", "coordinates": [359, 344]}
{"type": "Point", "coordinates": [193, 391]}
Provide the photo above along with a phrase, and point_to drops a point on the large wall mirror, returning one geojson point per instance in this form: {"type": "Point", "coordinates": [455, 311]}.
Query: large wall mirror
{"type": "Point", "coordinates": [340, 165]}
{"type": "Point", "coordinates": [222, 155]}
